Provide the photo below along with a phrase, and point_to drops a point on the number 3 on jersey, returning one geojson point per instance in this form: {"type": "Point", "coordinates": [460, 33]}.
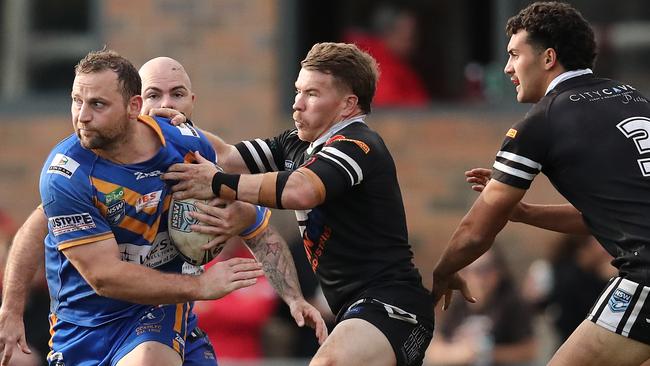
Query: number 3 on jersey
{"type": "Point", "coordinates": [638, 129]}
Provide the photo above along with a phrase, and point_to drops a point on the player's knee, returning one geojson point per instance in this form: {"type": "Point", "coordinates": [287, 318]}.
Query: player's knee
{"type": "Point", "coordinates": [151, 354]}
{"type": "Point", "coordinates": [326, 360]}
{"type": "Point", "coordinates": [149, 361]}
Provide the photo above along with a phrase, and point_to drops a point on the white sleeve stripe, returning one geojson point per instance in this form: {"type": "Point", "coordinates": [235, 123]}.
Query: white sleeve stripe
{"type": "Point", "coordinates": [324, 156]}
{"type": "Point", "coordinates": [347, 158]}
{"type": "Point", "coordinates": [512, 171]}
{"type": "Point", "coordinates": [255, 155]}
{"type": "Point", "coordinates": [520, 159]}
{"type": "Point", "coordinates": [268, 153]}
{"type": "Point", "coordinates": [635, 312]}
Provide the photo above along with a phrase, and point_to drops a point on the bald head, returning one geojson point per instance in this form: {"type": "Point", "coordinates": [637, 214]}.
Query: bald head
{"type": "Point", "coordinates": [165, 84]}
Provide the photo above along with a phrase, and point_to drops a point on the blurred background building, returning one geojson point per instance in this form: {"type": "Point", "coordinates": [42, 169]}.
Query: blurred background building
{"type": "Point", "coordinates": [243, 57]}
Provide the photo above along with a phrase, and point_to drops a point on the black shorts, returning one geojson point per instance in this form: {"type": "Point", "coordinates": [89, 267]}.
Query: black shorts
{"type": "Point", "coordinates": [407, 323]}
{"type": "Point", "coordinates": [624, 308]}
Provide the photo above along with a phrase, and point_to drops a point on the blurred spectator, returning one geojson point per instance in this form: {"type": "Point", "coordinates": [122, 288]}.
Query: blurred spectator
{"type": "Point", "coordinates": [474, 82]}
{"type": "Point", "coordinates": [497, 330]}
{"type": "Point", "coordinates": [567, 284]}
{"type": "Point", "coordinates": [392, 42]}
{"type": "Point", "coordinates": [37, 308]}
{"type": "Point", "coordinates": [235, 322]}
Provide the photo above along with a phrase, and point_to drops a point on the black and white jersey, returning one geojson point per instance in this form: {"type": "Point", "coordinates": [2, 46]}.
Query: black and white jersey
{"type": "Point", "coordinates": [357, 238]}
{"type": "Point", "coordinates": [591, 137]}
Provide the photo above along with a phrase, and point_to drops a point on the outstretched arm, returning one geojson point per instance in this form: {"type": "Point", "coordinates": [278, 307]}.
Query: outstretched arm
{"type": "Point", "coordinates": [299, 190]}
{"type": "Point", "coordinates": [228, 157]}
{"type": "Point", "coordinates": [26, 256]}
{"type": "Point", "coordinates": [273, 252]}
{"type": "Point", "coordinates": [563, 218]}
{"type": "Point", "coordinates": [474, 236]}
{"type": "Point", "coordinates": [136, 283]}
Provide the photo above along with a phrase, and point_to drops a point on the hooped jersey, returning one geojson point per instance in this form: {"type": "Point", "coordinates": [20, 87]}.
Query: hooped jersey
{"type": "Point", "coordinates": [590, 136]}
{"type": "Point", "coordinates": [87, 199]}
{"type": "Point", "coordinates": [357, 239]}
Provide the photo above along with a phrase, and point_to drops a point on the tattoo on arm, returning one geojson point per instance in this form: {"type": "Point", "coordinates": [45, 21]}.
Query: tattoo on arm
{"type": "Point", "coordinates": [272, 251]}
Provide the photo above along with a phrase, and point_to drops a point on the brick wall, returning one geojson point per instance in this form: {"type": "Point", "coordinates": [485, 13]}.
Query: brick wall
{"type": "Point", "coordinates": [227, 46]}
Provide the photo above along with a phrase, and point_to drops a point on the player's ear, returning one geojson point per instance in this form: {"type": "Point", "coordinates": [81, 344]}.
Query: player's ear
{"type": "Point", "coordinates": [351, 102]}
{"type": "Point", "coordinates": [134, 106]}
{"type": "Point", "coordinates": [550, 58]}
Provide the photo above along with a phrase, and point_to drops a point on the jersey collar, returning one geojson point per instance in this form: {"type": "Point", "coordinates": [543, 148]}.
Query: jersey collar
{"type": "Point", "coordinates": [149, 121]}
{"type": "Point", "coordinates": [334, 129]}
{"type": "Point", "coordinates": [566, 76]}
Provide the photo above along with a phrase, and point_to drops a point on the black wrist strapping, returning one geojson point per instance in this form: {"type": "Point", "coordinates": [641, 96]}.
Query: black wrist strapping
{"type": "Point", "coordinates": [225, 185]}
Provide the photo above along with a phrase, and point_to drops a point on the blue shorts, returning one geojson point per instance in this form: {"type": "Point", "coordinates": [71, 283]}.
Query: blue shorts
{"type": "Point", "coordinates": [199, 350]}
{"type": "Point", "coordinates": [105, 345]}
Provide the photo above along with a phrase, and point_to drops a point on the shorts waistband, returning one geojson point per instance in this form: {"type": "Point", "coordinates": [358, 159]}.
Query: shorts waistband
{"type": "Point", "coordinates": [392, 310]}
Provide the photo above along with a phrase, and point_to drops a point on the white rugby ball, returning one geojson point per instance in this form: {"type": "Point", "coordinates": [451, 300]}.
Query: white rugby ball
{"type": "Point", "coordinates": [189, 242]}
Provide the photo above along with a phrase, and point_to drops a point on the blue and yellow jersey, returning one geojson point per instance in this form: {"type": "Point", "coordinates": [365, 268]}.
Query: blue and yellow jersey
{"type": "Point", "coordinates": [87, 198]}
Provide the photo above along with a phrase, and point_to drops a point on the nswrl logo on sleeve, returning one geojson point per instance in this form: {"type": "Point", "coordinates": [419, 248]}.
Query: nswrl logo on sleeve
{"type": "Point", "coordinates": [619, 301]}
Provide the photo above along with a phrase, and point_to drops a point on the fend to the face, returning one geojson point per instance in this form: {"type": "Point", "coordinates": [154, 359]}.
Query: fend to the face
{"type": "Point", "coordinates": [318, 104]}
{"type": "Point", "coordinates": [99, 111]}
{"type": "Point", "coordinates": [526, 68]}
{"type": "Point", "coordinates": [165, 84]}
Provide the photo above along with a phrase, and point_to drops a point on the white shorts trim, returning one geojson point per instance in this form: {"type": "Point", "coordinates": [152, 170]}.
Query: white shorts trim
{"type": "Point", "coordinates": [619, 306]}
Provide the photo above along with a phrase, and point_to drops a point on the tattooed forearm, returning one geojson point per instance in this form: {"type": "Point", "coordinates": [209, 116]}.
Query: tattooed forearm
{"type": "Point", "coordinates": [272, 251]}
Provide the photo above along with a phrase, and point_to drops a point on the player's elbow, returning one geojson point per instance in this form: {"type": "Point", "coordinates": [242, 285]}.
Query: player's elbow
{"type": "Point", "coordinates": [474, 239]}
{"type": "Point", "coordinates": [101, 283]}
{"type": "Point", "coordinates": [229, 158]}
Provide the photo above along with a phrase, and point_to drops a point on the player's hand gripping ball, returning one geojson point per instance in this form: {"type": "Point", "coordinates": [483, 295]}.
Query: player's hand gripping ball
{"type": "Point", "coordinates": [189, 243]}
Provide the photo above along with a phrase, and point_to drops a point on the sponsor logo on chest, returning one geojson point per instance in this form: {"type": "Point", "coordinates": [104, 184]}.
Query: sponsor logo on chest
{"type": "Point", "coordinates": [115, 212]}
{"type": "Point", "coordinates": [143, 175]}
{"type": "Point", "coordinates": [114, 196]}
{"type": "Point", "coordinates": [160, 252]}
{"type": "Point", "coordinates": [115, 206]}
{"type": "Point", "coordinates": [625, 92]}
{"type": "Point", "coordinates": [148, 200]}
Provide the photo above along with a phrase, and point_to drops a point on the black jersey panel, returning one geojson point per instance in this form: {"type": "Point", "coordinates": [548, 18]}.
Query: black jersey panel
{"type": "Point", "coordinates": [343, 163]}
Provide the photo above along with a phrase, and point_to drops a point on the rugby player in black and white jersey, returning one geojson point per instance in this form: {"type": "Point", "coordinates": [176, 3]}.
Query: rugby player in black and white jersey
{"type": "Point", "coordinates": [590, 137]}
{"type": "Point", "coordinates": [340, 177]}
